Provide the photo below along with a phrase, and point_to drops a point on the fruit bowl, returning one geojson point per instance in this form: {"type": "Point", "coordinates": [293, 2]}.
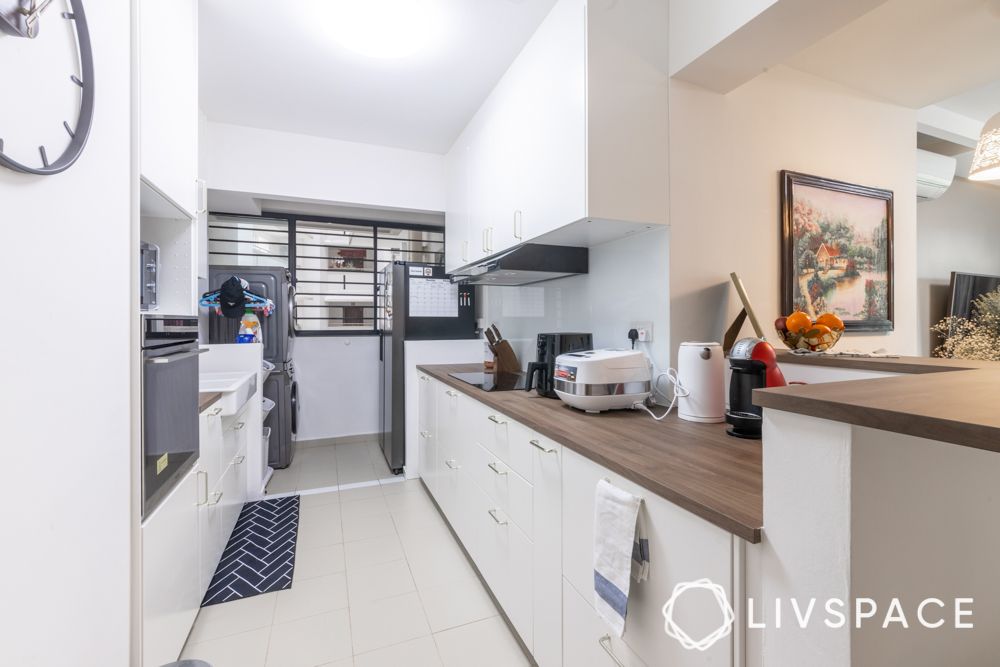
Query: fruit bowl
{"type": "Point", "coordinates": [811, 340]}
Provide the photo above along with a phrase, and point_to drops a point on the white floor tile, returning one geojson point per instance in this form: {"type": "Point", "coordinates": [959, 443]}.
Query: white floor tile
{"type": "Point", "coordinates": [360, 492]}
{"type": "Point", "coordinates": [405, 486]}
{"type": "Point", "coordinates": [248, 649]}
{"type": "Point", "coordinates": [319, 562]}
{"type": "Point", "coordinates": [348, 662]}
{"type": "Point", "coordinates": [319, 476]}
{"type": "Point", "coordinates": [283, 481]}
{"type": "Point", "coordinates": [373, 551]}
{"type": "Point", "coordinates": [451, 605]}
{"type": "Point", "coordinates": [407, 500]}
{"type": "Point", "coordinates": [352, 473]}
{"type": "Point", "coordinates": [365, 527]}
{"type": "Point", "coordinates": [310, 641]}
{"type": "Point", "coordinates": [319, 527]}
{"type": "Point", "coordinates": [438, 565]}
{"type": "Point", "coordinates": [487, 643]}
{"type": "Point", "coordinates": [376, 582]}
{"type": "Point", "coordinates": [308, 597]}
{"type": "Point", "coordinates": [414, 653]}
{"type": "Point", "coordinates": [386, 622]}
{"type": "Point", "coordinates": [319, 499]}
{"type": "Point", "coordinates": [364, 507]}
{"type": "Point", "coordinates": [231, 618]}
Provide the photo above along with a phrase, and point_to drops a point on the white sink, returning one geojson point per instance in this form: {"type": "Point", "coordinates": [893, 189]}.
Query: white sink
{"type": "Point", "coordinates": [236, 388]}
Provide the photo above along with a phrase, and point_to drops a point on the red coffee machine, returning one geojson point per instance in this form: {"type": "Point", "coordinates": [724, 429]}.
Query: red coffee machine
{"type": "Point", "coordinates": [754, 366]}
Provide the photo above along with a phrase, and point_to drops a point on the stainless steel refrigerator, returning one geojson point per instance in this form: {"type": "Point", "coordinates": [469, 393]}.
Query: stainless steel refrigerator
{"type": "Point", "coordinates": [419, 302]}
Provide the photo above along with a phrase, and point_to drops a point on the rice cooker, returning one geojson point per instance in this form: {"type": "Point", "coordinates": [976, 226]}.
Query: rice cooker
{"type": "Point", "coordinates": [598, 380]}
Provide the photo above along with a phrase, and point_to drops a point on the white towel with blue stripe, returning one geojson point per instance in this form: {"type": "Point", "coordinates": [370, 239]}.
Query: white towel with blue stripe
{"type": "Point", "coordinates": [621, 552]}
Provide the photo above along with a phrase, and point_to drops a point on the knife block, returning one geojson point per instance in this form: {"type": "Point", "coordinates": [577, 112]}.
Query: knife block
{"type": "Point", "coordinates": [505, 361]}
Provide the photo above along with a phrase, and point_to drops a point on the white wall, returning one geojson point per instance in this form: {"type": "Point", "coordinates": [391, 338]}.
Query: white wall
{"type": "Point", "coordinates": [65, 406]}
{"type": "Point", "coordinates": [726, 152]}
{"type": "Point", "coordinates": [958, 232]}
{"type": "Point", "coordinates": [275, 164]}
{"type": "Point", "coordinates": [338, 381]}
{"type": "Point", "coordinates": [628, 282]}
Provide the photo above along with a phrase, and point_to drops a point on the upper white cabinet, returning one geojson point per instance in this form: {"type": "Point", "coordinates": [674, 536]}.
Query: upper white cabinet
{"type": "Point", "coordinates": [168, 104]}
{"type": "Point", "coordinates": [575, 129]}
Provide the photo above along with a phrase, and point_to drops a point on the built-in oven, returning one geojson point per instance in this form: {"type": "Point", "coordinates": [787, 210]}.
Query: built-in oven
{"type": "Point", "coordinates": [169, 404]}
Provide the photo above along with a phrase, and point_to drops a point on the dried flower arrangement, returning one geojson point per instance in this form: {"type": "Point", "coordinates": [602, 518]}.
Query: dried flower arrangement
{"type": "Point", "coordinates": [976, 337]}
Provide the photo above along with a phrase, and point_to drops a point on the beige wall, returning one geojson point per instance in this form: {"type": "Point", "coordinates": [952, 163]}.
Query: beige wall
{"type": "Point", "coordinates": [726, 152]}
{"type": "Point", "coordinates": [958, 232]}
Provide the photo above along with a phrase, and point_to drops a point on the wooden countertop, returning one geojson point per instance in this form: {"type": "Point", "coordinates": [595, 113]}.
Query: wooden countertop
{"type": "Point", "coordinates": [951, 400]}
{"type": "Point", "coordinates": [206, 399]}
{"type": "Point", "coordinates": [696, 466]}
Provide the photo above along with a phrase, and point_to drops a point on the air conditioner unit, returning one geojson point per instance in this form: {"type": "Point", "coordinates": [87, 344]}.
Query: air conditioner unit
{"type": "Point", "coordinates": [934, 174]}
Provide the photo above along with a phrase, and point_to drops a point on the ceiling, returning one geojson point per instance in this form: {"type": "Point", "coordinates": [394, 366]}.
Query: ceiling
{"type": "Point", "coordinates": [912, 52]}
{"type": "Point", "coordinates": [978, 104]}
{"type": "Point", "coordinates": [264, 67]}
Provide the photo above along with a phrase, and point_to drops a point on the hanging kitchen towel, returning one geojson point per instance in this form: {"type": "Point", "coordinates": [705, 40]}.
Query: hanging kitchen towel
{"type": "Point", "coordinates": [619, 552]}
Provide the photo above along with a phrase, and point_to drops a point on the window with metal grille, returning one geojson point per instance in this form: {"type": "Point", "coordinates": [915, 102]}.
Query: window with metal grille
{"type": "Point", "coordinates": [336, 264]}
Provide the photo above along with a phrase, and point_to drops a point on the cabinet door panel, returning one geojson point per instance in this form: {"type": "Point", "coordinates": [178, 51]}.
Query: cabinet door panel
{"type": "Point", "coordinates": [171, 583]}
{"type": "Point", "coordinates": [587, 640]}
{"type": "Point", "coordinates": [682, 548]}
{"type": "Point", "coordinates": [547, 563]}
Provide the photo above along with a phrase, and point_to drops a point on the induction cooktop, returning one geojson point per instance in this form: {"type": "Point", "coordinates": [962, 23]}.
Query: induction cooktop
{"type": "Point", "coordinates": [493, 382]}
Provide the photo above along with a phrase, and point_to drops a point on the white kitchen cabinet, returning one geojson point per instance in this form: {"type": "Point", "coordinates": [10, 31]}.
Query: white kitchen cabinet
{"type": "Point", "coordinates": [546, 575]}
{"type": "Point", "coordinates": [171, 591]}
{"type": "Point", "coordinates": [575, 129]}
{"type": "Point", "coordinates": [587, 640]}
{"type": "Point", "coordinates": [427, 431]}
{"type": "Point", "coordinates": [168, 98]}
{"type": "Point", "coordinates": [682, 546]}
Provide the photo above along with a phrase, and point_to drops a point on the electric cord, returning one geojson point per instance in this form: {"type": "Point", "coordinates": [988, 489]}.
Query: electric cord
{"type": "Point", "coordinates": [679, 391]}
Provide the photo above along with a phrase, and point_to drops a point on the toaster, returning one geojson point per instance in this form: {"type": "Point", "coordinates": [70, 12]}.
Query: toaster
{"type": "Point", "coordinates": [598, 380]}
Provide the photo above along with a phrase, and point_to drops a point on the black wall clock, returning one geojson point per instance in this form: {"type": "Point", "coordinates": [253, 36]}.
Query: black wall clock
{"type": "Point", "coordinates": [48, 84]}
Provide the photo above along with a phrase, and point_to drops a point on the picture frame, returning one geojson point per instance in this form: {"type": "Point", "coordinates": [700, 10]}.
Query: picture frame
{"type": "Point", "coordinates": [837, 251]}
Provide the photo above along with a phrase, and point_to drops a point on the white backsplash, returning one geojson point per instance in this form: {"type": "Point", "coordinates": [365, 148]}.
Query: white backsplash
{"type": "Point", "coordinates": [628, 283]}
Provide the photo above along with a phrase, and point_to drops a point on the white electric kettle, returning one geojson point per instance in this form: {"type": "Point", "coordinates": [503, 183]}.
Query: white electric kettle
{"type": "Point", "coordinates": [701, 374]}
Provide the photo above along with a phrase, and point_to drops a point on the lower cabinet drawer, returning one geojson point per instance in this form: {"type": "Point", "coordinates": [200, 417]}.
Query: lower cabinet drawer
{"type": "Point", "coordinates": [587, 640]}
{"type": "Point", "coordinates": [505, 561]}
{"type": "Point", "coordinates": [508, 490]}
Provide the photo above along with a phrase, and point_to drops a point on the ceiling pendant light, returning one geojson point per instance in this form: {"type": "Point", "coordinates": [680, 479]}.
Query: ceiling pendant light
{"type": "Point", "coordinates": [986, 161]}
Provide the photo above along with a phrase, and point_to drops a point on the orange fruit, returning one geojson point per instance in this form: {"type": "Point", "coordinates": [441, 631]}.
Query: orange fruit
{"type": "Point", "coordinates": [819, 337]}
{"type": "Point", "coordinates": [798, 322]}
{"type": "Point", "coordinates": [831, 320]}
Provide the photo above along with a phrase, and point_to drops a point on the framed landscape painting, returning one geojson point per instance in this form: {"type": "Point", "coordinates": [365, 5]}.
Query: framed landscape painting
{"type": "Point", "coordinates": [836, 251]}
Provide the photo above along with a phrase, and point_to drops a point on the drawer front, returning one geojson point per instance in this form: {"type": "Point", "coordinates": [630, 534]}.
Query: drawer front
{"type": "Point", "coordinates": [210, 444]}
{"type": "Point", "coordinates": [507, 490]}
{"type": "Point", "coordinates": [493, 431]}
{"type": "Point", "coordinates": [522, 452]}
{"type": "Point", "coordinates": [234, 437]}
{"type": "Point", "coordinates": [682, 548]}
{"type": "Point", "coordinates": [505, 561]}
{"type": "Point", "coordinates": [547, 538]}
{"type": "Point", "coordinates": [588, 641]}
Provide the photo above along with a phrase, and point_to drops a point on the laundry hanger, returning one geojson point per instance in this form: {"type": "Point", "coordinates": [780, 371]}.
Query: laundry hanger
{"type": "Point", "coordinates": [251, 300]}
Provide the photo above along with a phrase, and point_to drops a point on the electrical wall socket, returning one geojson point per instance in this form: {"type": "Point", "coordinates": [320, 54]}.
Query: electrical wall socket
{"type": "Point", "coordinates": [645, 330]}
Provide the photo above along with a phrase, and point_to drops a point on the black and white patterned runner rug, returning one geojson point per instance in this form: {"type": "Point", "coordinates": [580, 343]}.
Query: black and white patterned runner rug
{"type": "Point", "coordinates": [260, 555]}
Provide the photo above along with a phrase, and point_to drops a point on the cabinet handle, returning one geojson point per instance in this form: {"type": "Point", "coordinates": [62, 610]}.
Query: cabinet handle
{"type": "Point", "coordinates": [424, 378]}
{"type": "Point", "coordinates": [216, 497]}
{"type": "Point", "coordinates": [485, 236]}
{"type": "Point", "coordinates": [239, 459]}
{"type": "Point", "coordinates": [493, 466]}
{"type": "Point", "coordinates": [538, 445]}
{"type": "Point", "coordinates": [238, 426]}
{"type": "Point", "coordinates": [518, 233]}
{"type": "Point", "coordinates": [202, 196]}
{"type": "Point", "coordinates": [500, 522]}
{"type": "Point", "coordinates": [496, 420]}
{"type": "Point", "coordinates": [215, 413]}
{"type": "Point", "coordinates": [465, 251]}
{"type": "Point", "coordinates": [425, 434]}
{"type": "Point", "coordinates": [489, 236]}
{"type": "Point", "coordinates": [605, 643]}
{"type": "Point", "coordinates": [451, 393]}
{"type": "Point", "coordinates": [451, 464]}
{"type": "Point", "coordinates": [204, 488]}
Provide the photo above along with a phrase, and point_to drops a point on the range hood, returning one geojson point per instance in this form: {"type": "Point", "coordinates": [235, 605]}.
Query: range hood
{"type": "Point", "coordinates": [525, 264]}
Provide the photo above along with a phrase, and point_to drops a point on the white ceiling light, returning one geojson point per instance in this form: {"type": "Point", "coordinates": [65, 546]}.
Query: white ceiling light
{"type": "Point", "coordinates": [384, 29]}
{"type": "Point", "coordinates": [986, 161]}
